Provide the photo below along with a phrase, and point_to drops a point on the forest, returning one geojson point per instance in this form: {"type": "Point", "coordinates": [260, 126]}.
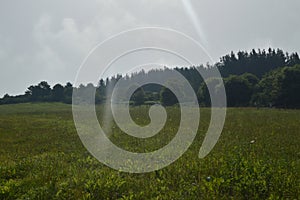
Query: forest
{"type": "Point", "coordinates": [259, 78]}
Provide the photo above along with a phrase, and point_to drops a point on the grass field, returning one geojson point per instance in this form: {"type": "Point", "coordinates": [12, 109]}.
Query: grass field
{"type": "Point", "coordinates": [42, 157]}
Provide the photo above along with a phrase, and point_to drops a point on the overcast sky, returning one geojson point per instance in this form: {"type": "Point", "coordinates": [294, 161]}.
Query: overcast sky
{"type": "Point", "coordinates": [48, 39]}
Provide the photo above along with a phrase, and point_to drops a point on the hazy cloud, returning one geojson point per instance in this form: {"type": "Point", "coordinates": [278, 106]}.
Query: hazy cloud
{"type": "Point", "coordinates": [47, 40]}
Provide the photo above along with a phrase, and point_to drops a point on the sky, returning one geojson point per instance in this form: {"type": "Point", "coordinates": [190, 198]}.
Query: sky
{"type": "Point", "coordinates": [49, 39]}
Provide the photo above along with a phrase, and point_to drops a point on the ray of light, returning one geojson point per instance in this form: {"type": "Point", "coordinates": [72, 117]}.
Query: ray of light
{"type": "Point", "coordinates": [187, 5]}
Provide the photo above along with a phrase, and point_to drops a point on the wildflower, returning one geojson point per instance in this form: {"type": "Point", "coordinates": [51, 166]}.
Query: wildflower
{"type": "Point", "coordinates": [208, 179]}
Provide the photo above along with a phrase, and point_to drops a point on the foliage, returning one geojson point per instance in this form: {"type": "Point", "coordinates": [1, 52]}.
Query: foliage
{"type": "Point", "coordinates": [58, 93]}
{"type": "Point", "coordinates": [256, 78]}
{"type": "Point", "coordinates": [238, 91]}
{"type": "Point", "coordinates": [203, 93]}
{"type": "Point", "coordinates": [167, 97]}
{"type": "Point", "coordinates": [138, 97]}
{"type": "Point", "coordinates": [279, 88]}
{"type": "Point", "coordinates": [41, 157]}
{"type": "Point", "coordinates": [257, 62]}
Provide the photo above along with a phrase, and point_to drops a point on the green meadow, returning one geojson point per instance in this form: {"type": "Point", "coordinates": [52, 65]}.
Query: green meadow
{"type": "Point", "coordinates": [256, 157]}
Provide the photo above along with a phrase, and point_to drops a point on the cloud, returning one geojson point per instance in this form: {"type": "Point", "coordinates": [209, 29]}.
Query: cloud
{"type": "Point", "coordinates": [2, 51]}
{"type": "Point", "coordinates": [62, 48]}
{"type": "Point", "coordinates": [4, 48]}
{"type": "Point", "coordinates": [61, 51]}
{"type": "Point", "coordinates": [53, 37]}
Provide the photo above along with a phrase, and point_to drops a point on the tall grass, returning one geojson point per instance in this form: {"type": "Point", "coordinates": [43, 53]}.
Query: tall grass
{"type": "Point", "coordinates": [257, 157]}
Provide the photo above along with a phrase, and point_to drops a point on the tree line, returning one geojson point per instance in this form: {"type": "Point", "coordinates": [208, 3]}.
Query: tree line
{"type": "Point", "coordinates": [267, 78]}
{"type": "Point", "coordinates": [42, 93]}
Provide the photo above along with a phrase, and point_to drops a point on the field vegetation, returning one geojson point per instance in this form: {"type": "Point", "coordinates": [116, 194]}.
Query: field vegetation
{"type": "Point", "coordinates": [42, 157]}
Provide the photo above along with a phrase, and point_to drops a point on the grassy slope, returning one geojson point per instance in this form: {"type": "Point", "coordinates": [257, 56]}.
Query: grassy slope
{"type": "Point", "coordinates": [41, 157]}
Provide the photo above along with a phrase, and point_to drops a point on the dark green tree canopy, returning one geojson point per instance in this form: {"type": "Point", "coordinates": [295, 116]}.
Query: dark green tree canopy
{"type": "Point", "coordinates": [58, 93]}
{"type": "Point", "coordinates": [255, 78]}
{"type": "Point", "coordinates": [238, 91]}
{"type": "Point", "coordinates": [280, 88]}
{"type": "Point", "coordinates": [167, 97]}
{"type": "Point", "coordinates": [138, 97]}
